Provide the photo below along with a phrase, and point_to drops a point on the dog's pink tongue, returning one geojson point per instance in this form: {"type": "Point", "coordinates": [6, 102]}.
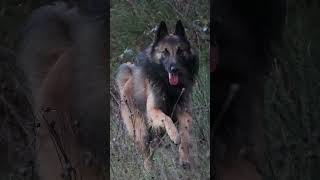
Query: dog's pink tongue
{"type": "Point", "coordinates": [173, 79]}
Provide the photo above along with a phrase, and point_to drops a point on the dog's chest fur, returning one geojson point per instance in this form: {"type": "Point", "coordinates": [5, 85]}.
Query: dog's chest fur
{"type": "Point", "coordinates": [166, 97]}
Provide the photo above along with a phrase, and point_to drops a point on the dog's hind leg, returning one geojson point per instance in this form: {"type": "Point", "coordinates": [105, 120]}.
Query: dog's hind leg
{"type": "Point", "coordinates": [132, 118]}
{"type": "Point", "coordinates": [141, 137]}
{"type": "Point", "coordinates": [135, 124]}
{"type": "Point", "coordinates": [127, 108]}
{"type": "Point", "coordinates": [125, 85]}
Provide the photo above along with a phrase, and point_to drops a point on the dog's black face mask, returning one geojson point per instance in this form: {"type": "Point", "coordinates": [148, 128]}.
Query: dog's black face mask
{"type": "Point", "coordinates": [173, 52]}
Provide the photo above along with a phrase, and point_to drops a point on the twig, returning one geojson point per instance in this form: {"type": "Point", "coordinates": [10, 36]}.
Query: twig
{"type": "Point", "coordinates": [114, 97]}
{"type": "Point", "coordinates": [232, 92]}
{"type": "Point", "coordinates": [59, 148]}
{"type": "Point", "coordinates": [175, 105]}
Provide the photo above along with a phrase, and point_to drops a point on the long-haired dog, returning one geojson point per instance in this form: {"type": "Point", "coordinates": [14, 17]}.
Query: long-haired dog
{"type": "Point", "coordinates": [61, 54]}
{"type": "Point", "coordinates": [156, 92]}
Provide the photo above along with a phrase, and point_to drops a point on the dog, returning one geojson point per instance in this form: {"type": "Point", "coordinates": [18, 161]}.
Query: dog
{"type": "Point", "coordinates": [156, 91]}
{"type": "Point", "coordinates": [62, 57]}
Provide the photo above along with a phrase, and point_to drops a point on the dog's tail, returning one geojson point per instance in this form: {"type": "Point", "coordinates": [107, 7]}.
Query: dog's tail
{"type": "Point", "coordinates": [46, 34]}
{"type": "Point", "coordinates": [124, 73]}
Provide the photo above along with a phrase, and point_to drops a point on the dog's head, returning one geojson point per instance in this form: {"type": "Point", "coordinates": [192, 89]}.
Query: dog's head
{"type": "Point", "coordinates": [174, 53]}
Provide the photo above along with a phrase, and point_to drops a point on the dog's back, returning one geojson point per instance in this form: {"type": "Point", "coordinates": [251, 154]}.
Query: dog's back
{"type": "Point", "coordinates": [45, 36]}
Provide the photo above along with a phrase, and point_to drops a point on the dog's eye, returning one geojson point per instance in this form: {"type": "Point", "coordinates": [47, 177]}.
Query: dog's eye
{"type": "Point", "coordinates": [166, 52]}
{"type": "Point", "coordinates": [180, 52]}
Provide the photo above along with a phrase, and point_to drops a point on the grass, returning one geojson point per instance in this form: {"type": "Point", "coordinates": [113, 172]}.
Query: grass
{"type": "Point", "coordinates": [132, 25]}
{"type": "Point", "coordinates": [293, 97]}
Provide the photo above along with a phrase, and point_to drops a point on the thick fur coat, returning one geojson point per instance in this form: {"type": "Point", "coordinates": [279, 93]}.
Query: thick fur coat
{"type": "Point", "coordinates": [156, 92]}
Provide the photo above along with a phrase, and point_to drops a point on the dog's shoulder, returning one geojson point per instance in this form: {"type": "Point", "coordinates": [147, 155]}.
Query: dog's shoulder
{"type": "Point", "coordinates": [143, 57]}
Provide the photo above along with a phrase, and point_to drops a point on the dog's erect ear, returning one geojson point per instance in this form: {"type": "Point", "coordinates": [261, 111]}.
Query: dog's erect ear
{"type": "Point", "coordinates": [162, 31]}
{"type": "Point", "coordinates": [180, 30]}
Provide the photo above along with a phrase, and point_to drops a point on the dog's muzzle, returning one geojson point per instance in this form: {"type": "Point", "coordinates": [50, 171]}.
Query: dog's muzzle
{"type": "Point", "coordinates": [173, 76]}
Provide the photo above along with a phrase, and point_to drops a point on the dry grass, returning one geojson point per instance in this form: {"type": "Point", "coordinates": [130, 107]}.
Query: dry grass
{"type": "Point", "coordinates": [292, 97]}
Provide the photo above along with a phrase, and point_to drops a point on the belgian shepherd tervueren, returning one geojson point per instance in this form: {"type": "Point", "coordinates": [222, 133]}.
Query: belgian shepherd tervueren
{"type": "Point", "coordinates": [241, 35]}
{"type": "Point", "coordinates": [62, 55]}
{"type": "Point", "coordinates": [156, 93]}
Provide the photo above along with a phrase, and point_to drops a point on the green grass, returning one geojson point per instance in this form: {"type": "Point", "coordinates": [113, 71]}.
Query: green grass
{"type": "Point", "coordinates": [131, 28]}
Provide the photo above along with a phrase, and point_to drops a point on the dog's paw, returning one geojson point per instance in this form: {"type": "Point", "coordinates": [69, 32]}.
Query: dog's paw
{"type": "Point", "coordinates": [175, 137]}
{"type": "Point", "coordinates": [173, 134]}
{"type": "Point", "coordinates": [147, 163]}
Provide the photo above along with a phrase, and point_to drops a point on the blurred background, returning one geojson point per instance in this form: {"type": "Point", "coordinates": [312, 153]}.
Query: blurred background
{"type": "Point", "coordinates": [292, 99]}
{"type": "Point", "coordinates": [17, 122]}
{"type": "Point", "coordinates": [17, 127]}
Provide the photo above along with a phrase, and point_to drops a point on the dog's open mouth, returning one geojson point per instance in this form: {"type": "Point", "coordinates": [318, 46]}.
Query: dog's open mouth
{"type": "Point", "coordinates": [173, 79]}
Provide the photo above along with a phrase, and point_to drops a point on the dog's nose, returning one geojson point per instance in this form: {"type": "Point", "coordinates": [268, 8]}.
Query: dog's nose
{"type": "Point", "coordinates": [173, 69]}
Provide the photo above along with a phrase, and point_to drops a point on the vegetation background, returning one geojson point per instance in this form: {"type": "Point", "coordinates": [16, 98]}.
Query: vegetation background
{"type": "Point", "coordinates": [292, 99]}
{"type": "Point", "coordinates": [292, 92]}
{"type": "Point", "coordinates": [133, 23]}
{"type": "Point", "coordinates": [17, 127]}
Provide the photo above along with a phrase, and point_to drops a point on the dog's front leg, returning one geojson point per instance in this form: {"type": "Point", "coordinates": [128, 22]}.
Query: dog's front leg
{"type": "Point", "coordinates": [185, 120]}
{"type": "Point", "coordinates": [160, 119]}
